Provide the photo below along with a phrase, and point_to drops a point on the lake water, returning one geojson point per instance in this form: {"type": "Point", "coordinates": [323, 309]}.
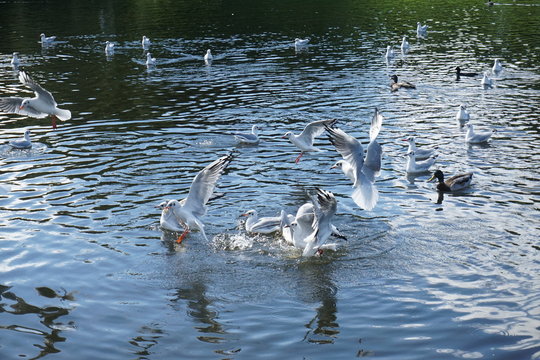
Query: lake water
{"type": "Point", "coordinates": [86, 272]}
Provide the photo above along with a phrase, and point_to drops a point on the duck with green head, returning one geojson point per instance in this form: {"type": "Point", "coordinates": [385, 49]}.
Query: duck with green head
{"type": "Point", "coordinates": [452, 184]}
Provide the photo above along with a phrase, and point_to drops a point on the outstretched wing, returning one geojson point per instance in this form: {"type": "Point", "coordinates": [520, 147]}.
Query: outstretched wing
{"type": "Point", "coordinates": [203, 185]}
{"type": "Point", "coordinates": [13, 105]}
{"type": "Point", "coordinates": [41, 93]}
{"type": "Point", "coordinates": [349, 148]}
{"type": "Point", "coordinates": [372, 162]}
{"type": "Point", "coordinates": [325, 206]}
{"type": "Point", "coordinates": [314, 129]}
{"type": "Point", "coordinates": [376, 124]}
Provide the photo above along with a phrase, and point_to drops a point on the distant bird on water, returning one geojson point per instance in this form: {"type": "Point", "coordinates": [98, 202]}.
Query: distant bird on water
{"type": "Point", "coordinates": [46, 40]}
{"type": "Point", "coordinates": [248, 138]}
{"type": "Point", "coordinates": [15, 62]}
{"type": "Point", "coordinates": [24, 143]}
{"type": "Point", "coordinates": [145, 42]}
{"type": "Point", "coordinates": [454, 183]}
{"type": "Point", "coordinates": [460, 73]}
{"type": "Point", "coordinates": [396, 85]}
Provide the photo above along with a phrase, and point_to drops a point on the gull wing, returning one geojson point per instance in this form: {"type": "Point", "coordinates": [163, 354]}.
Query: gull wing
{"type": "Point", "coordinates": [203, 185]}
{"type": "Point", "coordinates": [325, 206]}
{"type": "Point", "coordinates": [314, 129]}
{"type": "Point", "coordinates": [372, 162]}
{"type": "Point", "coordinates": [41, 93]}
{"type": "Point", "coordinates": [376, 124]}
{"type": "Point", "coordinates": [349, 148]}
{"type": "Point", "coordinates": [13, 104]}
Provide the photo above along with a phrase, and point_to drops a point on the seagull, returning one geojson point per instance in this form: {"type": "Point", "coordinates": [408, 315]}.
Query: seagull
{"type": "Point", "coordinates": [395, 86]}
{"type": "Point", "coordinates": [264, 225]}
{"type": "Point", "coordinates": [414, 167]}
{"type": "Point", "coordinates": [455, 183]}
{"type": "Point", "coordinates": [208, 57]}
{"type": "Point", "coordinates": [421, 30]}
{"type": "Point", "coordinates": [304, 141]}
{"type": "Point", "coordinates": [419, 154]}
{"type": "Point", "coordinates": [389, 53]}
{"type": "Point", "coordinates": [24, 143]}
{"type": "Point", "coordinates": [459, 73]}
{"type": "Point", "coordinates": [146, 42]}
{"type": "Point", "coordinates": [301, 42]}
{"type": "Point", "coordinates": [325, 206]}
{"type": "Point", "coordinates": [405, 47]}
{"type": "Point", "coordinates": [46, 40]}
{"type": "Point", "coordinates": [477, 138]}
{"type": "Point", "coordinates": [462, 114]}
{"type": "Point", "coordinates": [150, 61]}
{"type": "Point", "coordinates": [187, 212]}
{"type": "Point", "coordinates": [486, 82]}
{"type": "Point", "coordinates": [15, 62]}
{"type": "Point", "coordinates": [365, 194]}
{"type": "Point", "coordinates": [109, 48]}
{"type": "Point", "coordinates": [497, 67]}
{"type": "Point", "coordinates": [373, 158]}
{"type": "Point", "coordinates": [40, 106]}
{"type": "Point", "coordinates": [248, 138]}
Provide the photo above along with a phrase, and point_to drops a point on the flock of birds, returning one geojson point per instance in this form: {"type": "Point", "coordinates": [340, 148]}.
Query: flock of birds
{"type": "Point", "coordinates": [311, 227]}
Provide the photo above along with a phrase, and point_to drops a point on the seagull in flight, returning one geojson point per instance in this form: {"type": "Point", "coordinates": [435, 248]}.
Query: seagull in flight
{"type": "Point", "coordinates": [304, 141]}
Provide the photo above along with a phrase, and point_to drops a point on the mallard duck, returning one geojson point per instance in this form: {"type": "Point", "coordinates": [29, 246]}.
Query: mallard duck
{"type": "Point", "coordinates": [395, 86]}
{"type": "Point", "coordinates": [455, 183]}
{"type": "Point", "coordinates": [460, 73]}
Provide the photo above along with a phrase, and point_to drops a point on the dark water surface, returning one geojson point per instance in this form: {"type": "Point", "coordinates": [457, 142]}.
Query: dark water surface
{"type": "Point", "coordinates": [86, 272]}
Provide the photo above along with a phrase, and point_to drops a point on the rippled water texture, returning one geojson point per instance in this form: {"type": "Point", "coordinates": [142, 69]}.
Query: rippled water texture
{"type": "Point", "coordinates": [87, 273]}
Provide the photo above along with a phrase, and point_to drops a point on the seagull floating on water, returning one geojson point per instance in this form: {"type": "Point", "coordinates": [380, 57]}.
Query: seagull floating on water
{"type": "Point", "coordinates": [40, 106]}
{"type": "Point", "coordinates": [109, 48]}
{"type": "Point", "coordinates": [264, 225]}
{"type": "Point", "coordinates": [208, 57]}
{"type": "Point", "coordinates": [150, 61]}
{"type": "Point", "coordinates": [421, 30]}
{"type": "Point", "coordinates": [486, 81]}
{"type": "Point", "coordinates": [396, 85]}
{"type": "Point", "coordinates": [405, 47]}
{"type": "Point", "coordinates": [477, 138]}
{"type": "Point", "coordinates": [46, 40]}
{"type": "Point", "coordinates": [145, 42]}
{"type": "Point", "coordinates": [301, 42]}
{"type": "Point", "coordinates": [415, 167]}
{"type": "Point", "coordinates": [187, 213]}
{"type": "Point", "coordinates": [462, 114]}
{"type": "Point", "coordinates": [419, 154]}
{"type": "Point", "coordinates": [24, 143]}
{"type": "Point", "coordinates": [455, 183]}
{"type": "Point", "coordinates": [389, 53]}
{"type": "Point", "coordinates": [497, 67]}
{"type": "Point", "coordinates": [15, 62]}
{"type": "Point", "coordinates": [248, 138]}
{"type": "Point", "coordinates": [304, 141]}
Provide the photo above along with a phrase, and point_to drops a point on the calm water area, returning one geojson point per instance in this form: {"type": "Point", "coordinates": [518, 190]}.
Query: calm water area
{"type": "Point", "coordinates": [87, 273]}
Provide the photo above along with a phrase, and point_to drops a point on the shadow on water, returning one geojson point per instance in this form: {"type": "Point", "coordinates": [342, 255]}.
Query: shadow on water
{"type": "Point", "coordinates": [48, 316]}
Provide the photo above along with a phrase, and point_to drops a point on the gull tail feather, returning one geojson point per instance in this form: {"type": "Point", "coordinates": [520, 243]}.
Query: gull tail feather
{"type": "Point", "coordinates": [365, 195]}
{"type": "Point", "coordinates": [63, 114]}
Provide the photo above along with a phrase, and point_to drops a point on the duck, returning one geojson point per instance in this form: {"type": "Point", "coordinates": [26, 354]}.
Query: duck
{"type": "Point", "coordinates": [477, 138]}
{"type": "Point", "coordinates": [395, 86]}
{"type": "Point", "coordinates": [455, 183]}
{"type": "Point", "coordinates": [145, 42]}
{"type": "Point", "coordinates": [24, 143]}
{"type": "Point", "coordinates": [486, 81]}
{"type": "Point", "coordinates": [421, 30]}
{"type": "Point", "coordinates": [405, 45]}
{"type": "Point", "coordinates": [497, 67]}
{"type": "Point", "coordinates": [462, 114]}
{"type": "Point", "coordinates": [415, 167]}
{"type": "Point", "coordinates": [150, 61]}
{"type": "Point", "coordinates": [208, 56]}
{"type": "Point", "coordinates": [15, 62]}
{"type": "Point", "coordinates": [460, 73]}
{"type": "Point", "coordinates": [419, 154]}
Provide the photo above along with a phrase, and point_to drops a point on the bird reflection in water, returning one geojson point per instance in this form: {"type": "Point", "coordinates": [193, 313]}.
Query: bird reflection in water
{"type": "Point", "coordinates": [48, 317]}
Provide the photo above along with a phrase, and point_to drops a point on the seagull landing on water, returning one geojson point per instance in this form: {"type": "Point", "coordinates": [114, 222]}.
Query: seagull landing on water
{"type": "Point", "coordinates": [248, 138]}
{"type": "Point", "coordinates": [187, 213]}
{"type": "Point", "coordinates": [304, 141]}
{"type": "Point", "coordinates": [24, 143]}
{"type": "Point", "coordinates": [40, 106]}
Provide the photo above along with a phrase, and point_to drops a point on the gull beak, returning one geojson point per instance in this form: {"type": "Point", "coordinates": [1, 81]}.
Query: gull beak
{"type": "Point", "coordinates": [244, 214]}
{"type": "Point", "coordinates": [21, 107]}
{"type": "Point", "coordinates": [333, 167]}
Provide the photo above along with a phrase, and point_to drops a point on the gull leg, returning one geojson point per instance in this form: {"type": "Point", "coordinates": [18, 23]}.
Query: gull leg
{"type": "Point", "coordinates": [53, 117]}
{"type": "Point", "coordinates": [298, 158]}
{"type": "Point", "coordinates": [182, 236]}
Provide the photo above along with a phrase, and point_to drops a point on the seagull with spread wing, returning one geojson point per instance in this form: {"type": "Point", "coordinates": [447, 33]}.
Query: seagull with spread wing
{"type": "Point", "coordinates": [304, 141]}
{"type": "Point", "coordinates": [40, 106]}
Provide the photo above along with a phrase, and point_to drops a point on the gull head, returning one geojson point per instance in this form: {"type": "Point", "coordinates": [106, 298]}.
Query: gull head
{"type": "Point", "coordinates": [24, 103]}
{"type": "Point", "coordinates": [288, 135]}
{"type": "Point", "coordinates": [162, 205]}
{"type": "Point", "coordinates": [410, 154]}
{"type": "Point", "coordinates": [338, 164]}
{"type": "Point", "coordinates": [254, 129]}
{"type": "Point", "coordinates": [250, 213]}
{"type": "Point", "coordinates": [172, 205]}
